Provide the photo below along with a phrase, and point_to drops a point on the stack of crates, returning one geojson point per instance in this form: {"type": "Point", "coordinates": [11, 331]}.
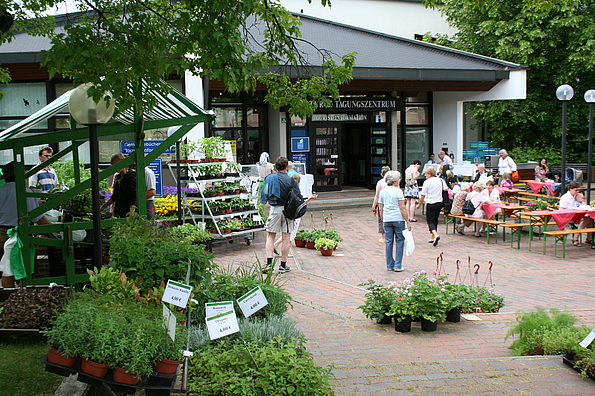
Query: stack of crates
{"type": "Point", "coordinates": [477, 152]}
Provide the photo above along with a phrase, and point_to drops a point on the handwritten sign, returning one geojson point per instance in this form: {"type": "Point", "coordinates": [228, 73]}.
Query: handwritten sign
{"type": "Point", "coordinates": [223, 324]}
{"type": "Point", "coordinates": [215, 308]}
{"type": "Point", "coordinates": [176, 293]}
{"type": "Point", "coordinates": [252, 301]}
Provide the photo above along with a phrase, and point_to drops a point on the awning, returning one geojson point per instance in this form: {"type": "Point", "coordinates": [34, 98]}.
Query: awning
{"type": "Point", "coordinates": [172, 106]}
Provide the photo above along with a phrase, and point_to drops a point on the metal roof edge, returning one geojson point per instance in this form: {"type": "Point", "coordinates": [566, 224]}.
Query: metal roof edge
{"type": "Point", "coordinates": [484, 58]}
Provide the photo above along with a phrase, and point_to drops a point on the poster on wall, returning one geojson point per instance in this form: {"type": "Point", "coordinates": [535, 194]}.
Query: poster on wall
{"type": "Point", "coordinates": [300, 157]}
{"type": "Point", "coordinates": [300, 144]}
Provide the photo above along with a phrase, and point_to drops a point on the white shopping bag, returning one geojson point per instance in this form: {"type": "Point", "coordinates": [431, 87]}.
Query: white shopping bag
{"type": "Point", "coordinates": [409, 242]}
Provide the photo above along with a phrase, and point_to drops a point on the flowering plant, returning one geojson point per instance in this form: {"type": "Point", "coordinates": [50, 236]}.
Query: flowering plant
{"type": "Point", "coordinates": [483, 300]}
{"type": "Point", "coordinates": [378, 300]}
{"type": "Point", "coordinates": [403, 306]}
{"type": "Point", "coordinates": [425, 297]}
{"type": "Point", "coordinates": [542, 204]}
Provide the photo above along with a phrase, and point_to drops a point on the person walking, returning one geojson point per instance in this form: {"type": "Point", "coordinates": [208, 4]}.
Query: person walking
{"type": "Point", "coordinates": [431, 192]}
{"type": "Point", "coordinates": [274, 192]}
{"type": "Point", "coordinates": [380, 185]}
{"type": "Point", "coordinates": [411, 189]}
{"type": "Point", "coordinates": [505, 163]}
{"type": "Point", "coordinates": [395, 216]}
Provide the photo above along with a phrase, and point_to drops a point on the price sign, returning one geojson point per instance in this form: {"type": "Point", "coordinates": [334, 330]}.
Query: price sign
{"type": "Point", "coordinates": [245, 196]}
{"type": "Point", "coordinates": [252, 301]}
{"type": "Point", "coordinates": [230, 179]}
{"type": "Point", "coordinates": [588, 339]}
{"type": "Point", "coordinates": [223, 324]}
{"type": "Point", "coordinates": [256, 218]}
{"type": "Point", "coordinates": [215, 308]}
{"type": "Point", "coordinates": [176, 293]}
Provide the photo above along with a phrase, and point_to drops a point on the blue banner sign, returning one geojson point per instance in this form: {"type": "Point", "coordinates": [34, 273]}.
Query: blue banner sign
{"type": "Point", "coordinates": [127, 147]}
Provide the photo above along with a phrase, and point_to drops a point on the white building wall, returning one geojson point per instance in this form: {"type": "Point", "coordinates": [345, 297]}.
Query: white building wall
{"type": "Point", "coordinates": [398, 18]}
{"type": "Point", "coordinates": [194, 91]}
{"type": "Point", "coordinates": [448, 110]}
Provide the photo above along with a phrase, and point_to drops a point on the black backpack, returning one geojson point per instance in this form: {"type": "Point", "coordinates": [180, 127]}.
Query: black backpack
{"type": "Point", "coordinates": [295, 206]}
{"type": "Point", "coordinates": [468, 207]}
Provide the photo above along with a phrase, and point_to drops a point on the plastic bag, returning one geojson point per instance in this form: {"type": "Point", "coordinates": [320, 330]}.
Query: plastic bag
{"type": "Point", "coordinates": [409, 242]}
{"type": "Point", "coordinates": [12, 261]}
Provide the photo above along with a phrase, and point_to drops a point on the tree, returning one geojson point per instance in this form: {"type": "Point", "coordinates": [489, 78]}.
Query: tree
{"type": "Point", "coordinates": [116, 43]}
{"type": "Point", "coordinates": [555, 39]}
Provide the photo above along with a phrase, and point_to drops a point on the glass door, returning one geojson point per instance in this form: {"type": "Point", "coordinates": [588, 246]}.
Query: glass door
{"type": "Point", "coordinates": [379, 145]}
{"type": "Point", "coordinates": [326, 164]}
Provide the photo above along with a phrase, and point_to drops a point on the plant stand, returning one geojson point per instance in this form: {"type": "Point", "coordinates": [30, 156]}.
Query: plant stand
{"type": "Point", "coordinates": [156, 384]}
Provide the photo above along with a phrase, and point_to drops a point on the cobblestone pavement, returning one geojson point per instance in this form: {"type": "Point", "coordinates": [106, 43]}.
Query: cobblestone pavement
{"type": "Point", "coordinates": [466, 358]}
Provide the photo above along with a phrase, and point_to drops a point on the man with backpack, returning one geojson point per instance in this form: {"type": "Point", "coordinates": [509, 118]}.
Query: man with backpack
{"type": "Point", "coordinates": [283, 195]}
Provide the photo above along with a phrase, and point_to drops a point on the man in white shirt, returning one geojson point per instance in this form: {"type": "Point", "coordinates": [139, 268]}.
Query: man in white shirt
{"type": "Point", "coordinates": [443, 160]}
{"type": "Point", "coordinates": [46, 178]}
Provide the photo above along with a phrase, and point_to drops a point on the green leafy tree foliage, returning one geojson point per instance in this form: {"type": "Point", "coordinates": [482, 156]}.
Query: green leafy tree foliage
{"type": "Point", "coordinates": [555, 40]}
{"type": "Point", "coordinates": [243, 43]}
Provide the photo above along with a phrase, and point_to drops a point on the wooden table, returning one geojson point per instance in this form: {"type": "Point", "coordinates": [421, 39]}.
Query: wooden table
{"type": "Point", "coordinates": [508, 192]}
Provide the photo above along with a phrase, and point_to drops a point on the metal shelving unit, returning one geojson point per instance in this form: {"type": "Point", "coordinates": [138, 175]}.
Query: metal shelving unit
{"type": "Point", "coordinates": [203, 208]}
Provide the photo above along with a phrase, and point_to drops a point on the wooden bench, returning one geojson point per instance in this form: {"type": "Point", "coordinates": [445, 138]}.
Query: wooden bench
{"type": "Point", "coordinates": [530, 194]}
{"type": "Point", "coordinates": [561, 237]}
{"type": "Point", "coordinates": [516, 229]}
{"type": "Point", "coordinates": [490, 225]}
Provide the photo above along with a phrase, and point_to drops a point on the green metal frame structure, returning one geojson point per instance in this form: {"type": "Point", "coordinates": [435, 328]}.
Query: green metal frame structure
{"type": "Point", "coordinates": [172, 110]}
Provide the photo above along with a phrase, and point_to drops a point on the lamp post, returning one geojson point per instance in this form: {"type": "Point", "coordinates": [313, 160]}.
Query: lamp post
{"type": "Point", "coordinates": [564, 93]}
{"type": "Point", "coordinates": [85, 111]}
{"type": "Point", "coordinates": [590, 99]}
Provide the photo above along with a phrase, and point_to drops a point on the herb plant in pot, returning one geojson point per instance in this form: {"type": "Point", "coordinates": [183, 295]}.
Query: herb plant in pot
{"type": "Point", "coordinates": [325, 246]}
{"type": "Point", "coordinates": [169, 353]}
{"type": "Point", "coordinates": [300, 238]}
{"type": "Point", "coordinates": [379, 300]}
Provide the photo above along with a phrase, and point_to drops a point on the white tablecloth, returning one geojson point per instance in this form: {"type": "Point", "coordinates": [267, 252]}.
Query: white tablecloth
{"type": "Point", "coordinates": [464, 169]}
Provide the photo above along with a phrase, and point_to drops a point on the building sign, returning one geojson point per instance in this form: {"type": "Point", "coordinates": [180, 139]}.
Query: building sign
{"type": "Point", "coordinates": [339, 117]}
{"type": "Point", "coordinates": [359, 104]}
{"type": "Point", "coordinates": [127, 147]}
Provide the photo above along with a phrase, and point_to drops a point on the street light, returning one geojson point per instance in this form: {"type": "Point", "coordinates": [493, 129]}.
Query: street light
{"type": "Point", "coordinates": [564, 93]}
{"type": "Point", "coordinates": [590, 99]}
{"type": "Point", "coordinates": [85, 111]}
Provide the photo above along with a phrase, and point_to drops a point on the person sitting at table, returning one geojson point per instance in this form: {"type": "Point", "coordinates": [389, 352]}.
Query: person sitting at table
{"type": "Point", "coordinates": [506, 181]}
{"type": "Point", "coordinates": [478, 199]}
{"type": "Point", "coordinates": [481, 174]}
{"type": "Point", "coordinates": [457, 205]}
{"type": "Point", "coordinates": [456, 186]}
{"type": "Point", "coordinates": [569, 201]}
{"type": "Point", "coordinates": [542, 172]}
{"type": "Point", "coordinates": [491, 192]}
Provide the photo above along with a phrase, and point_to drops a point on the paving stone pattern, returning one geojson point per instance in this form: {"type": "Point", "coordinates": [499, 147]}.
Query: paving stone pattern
{"type": "Point", "coordinates": [466, 358]}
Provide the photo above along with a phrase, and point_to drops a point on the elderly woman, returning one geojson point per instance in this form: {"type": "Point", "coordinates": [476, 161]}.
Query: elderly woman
{"type": "Point", "coordinates": [457, 205]}
{"type": "Point", "coordinates": [431, 192]}
{"type": "Point", "coordinates": [392, 208]}
{"type": "Point", "coordinates": [380, 185]}
{"type": "Point", "coordinates": [505, 163]}
{"type": "Point", "coordinates": [478, 199]}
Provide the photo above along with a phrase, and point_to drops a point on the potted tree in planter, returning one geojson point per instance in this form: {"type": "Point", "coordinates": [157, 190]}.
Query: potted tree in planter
{"type": "Point", "coordinates": [325, 246]}
{"type": "Point", "coordinates": [379, 300]}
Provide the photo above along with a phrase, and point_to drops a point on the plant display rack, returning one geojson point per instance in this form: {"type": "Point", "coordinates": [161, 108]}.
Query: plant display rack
{"type": "Point", "coordinates": [156, 384]}
{"type": "Point", "coordinates": [202, 208]}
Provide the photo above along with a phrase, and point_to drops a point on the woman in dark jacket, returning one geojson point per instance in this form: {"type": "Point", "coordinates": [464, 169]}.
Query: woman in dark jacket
{"type": "Point", "coordinates": [124, 193]}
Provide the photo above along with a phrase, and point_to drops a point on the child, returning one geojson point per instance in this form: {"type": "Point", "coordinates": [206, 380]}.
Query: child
{"type": "Point", "coordinates": [579, 202]}
{"type": "Point", "coordinates": [506, 181]}
{"type": "Point", "coordinates": [456, 187]}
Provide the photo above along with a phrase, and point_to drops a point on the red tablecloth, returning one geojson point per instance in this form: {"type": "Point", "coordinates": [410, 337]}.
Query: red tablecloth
{"type": "Point", "coordinates": [536, 186]}
{"type": "Point", "coordinates": [564, 216]}
{"type": "Point", "coordinates": [491, 209]}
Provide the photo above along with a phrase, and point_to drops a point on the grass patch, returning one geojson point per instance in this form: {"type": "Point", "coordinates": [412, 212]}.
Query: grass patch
{"type": "Point", "coordinates": [23, 374]}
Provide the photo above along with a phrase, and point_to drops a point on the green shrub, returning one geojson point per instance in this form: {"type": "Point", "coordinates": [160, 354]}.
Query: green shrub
{"type": "Point", "coordinates": [229, 284]}
{"type": "Point", "coordinates": [261, 330]}
{"type": "Point", "coordinates": [150, 254]}
{"type": "Point", "coordinates": [232, 367]}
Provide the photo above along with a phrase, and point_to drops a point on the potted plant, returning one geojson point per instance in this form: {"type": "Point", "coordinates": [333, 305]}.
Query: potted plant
{"type": "Point", "coordinates": [429, 297]}
{"type": "Point", "coordinates": [312, 237]}
{"type": "Point", "coordinates": [136, 355]}
{"type": "Point", "coordinates": [169, 353]}
{"type": "Point", "coordinates": [379, 300]}
{"type": "Point", "coordinates": [187, 149]}
{"type": "Point", "coordinates": [325, 246]}
{"type": "Point", "coordinates": [300, 237]}
{"type": "Point", "coordinates": [402, 308]}
{"type": "Point", "coordinates": [191, 232]}
{"type": "Point", "coordinates": [331, 233]}
{"type": "Point", "coordinates": [212, 147]}
{"type": "Point", "coordinates": [458, 294]}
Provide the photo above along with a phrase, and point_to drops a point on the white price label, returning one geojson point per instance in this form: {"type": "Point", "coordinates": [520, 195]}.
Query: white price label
{"type": "Point", "coordinates": [252, 301]}
{"type": "Point", "coordinates": [244, 196]}
{"type": "Point", "coordinates": [176, 293]}
{"type": "Point", "coordinates": [215, 308]}
{"type": "Point", "coordinates": [169, 322]}
{"type": "Point", "coordinates": [230, 179]}
{"type": "Point", "coordinates": [588, 339]}
{"type": "Point", "coordinates": [221, 325]}
{"type": "Point", "coordinates": [256, 218]}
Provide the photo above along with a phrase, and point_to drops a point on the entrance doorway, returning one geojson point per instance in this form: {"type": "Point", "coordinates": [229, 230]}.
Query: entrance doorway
{"type": "Point", "coordinates": [354, 151]}
{"type": "Point", "coordinates": [326, 160]}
